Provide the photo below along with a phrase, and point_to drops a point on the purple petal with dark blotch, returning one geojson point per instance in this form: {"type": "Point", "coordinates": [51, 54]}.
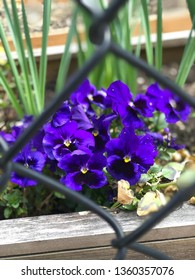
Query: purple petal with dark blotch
{"type": "Point", "coordinates": [62, 116]}
{"type": "Point", "coordinates": [73, 181]}
{"type": "Point", "coordinates": [122, 170]}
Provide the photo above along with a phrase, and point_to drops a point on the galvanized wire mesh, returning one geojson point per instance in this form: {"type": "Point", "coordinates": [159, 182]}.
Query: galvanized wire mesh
{"type": "Point", "coordinates": [99, 36]}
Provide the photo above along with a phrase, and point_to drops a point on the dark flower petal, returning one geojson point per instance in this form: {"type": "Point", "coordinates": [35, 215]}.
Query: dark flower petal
{"type": "Point", "coordinates": [129, 117]}
{"type": "Point", "coordinates": [166, 102]}
{"type": "Point", "coordinates": [21, 181]}
{"type": "Point", "coordinates": [62, 116]}
{"type": "Point", "coordinates": [143, 105]}
{"type": "Point", "coordinates": [81, 118]}
{"type": "Point", "coordinates": [84, 139]}
{"type": "Point", "coordinates": [94, 179]}
{"type": "Point", "coordinates": [114, 147]}
{"type": "Point", "coordinates": [83, 95]}
{"type": "Point", "coordinates": [122, 170]}
{"type": "Point", "coordinates": [30, 159]}
{"type": "Point", "coordinates": [119, 94]}
{"type": "Point", "coordinates": [73, 181]}
{"type": "Point", "coordinates": [74, 162]}
{"type": "Point", "coordinates": [97, 161]}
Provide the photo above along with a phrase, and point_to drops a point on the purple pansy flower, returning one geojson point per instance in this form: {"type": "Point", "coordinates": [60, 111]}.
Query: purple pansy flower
{"type": "Point", "coordinates": [30, 159]}
{"type": "Point", "coordinates": [130, 155]}
{"type": "Point", "coordinates": [122, 103]}
{"type": "Point", "coordinates": [166, 102]}
{"type": "Point", "coordinates": [80, 116]}
{"type": "Point", "coordinates": [100, 99]}
{"type": "Point", "coordinates": [143, 105]}
{"type": "Point", "coordinates": [62, 115]}
{"type": "Point", "coordinates": [62, 140]}
{"type": "Point", "coordinates": [101, 132]}
{"type": "Point", "coordinates": [17, 129]}
{"type": "Point", "coordinates": [84, 95]}
{"type": "Point", "coordinates": [83, 169]}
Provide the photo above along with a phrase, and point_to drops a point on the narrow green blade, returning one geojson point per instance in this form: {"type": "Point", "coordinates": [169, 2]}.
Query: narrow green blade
{"type": "Point", "coordinates": [158, 47]}
{"type": "Point", "coordinates": [66, 57]}
{"type": "Point", "coordinates": [191, 8]}
{"type": "Point", "coordinates": [43, 60]}
{"type": "Point", "coordinates": [146, 26]}
{"type": "Point", "coordinates": [31, 60]}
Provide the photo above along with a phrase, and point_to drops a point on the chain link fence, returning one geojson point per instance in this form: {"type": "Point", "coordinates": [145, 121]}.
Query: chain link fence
{"type": "Point", "coordinates": [100, 36]}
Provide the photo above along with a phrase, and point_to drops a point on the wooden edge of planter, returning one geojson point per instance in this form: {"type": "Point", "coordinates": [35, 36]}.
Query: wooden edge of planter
{"type": "Point", "coordinates": [173, 21]}
{"type": "Point", "coordinates": [85, 235]}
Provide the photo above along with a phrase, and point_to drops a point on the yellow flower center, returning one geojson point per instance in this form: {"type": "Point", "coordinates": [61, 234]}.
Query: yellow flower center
{"type": "Point", "coordinates": [90, 96]}
{"type": "Point", "coordinates": [95, 133]}
{"type": "Point", "coordinates": [127, 159]}
{"type": "Point", "coordinates": [173, 103]}
{"type": "Point", "coordinates": [67, 143]}
{"type": "Point", "coordinates": [26, 165]}
{"type": "Point", "coordinates": [84, 170]}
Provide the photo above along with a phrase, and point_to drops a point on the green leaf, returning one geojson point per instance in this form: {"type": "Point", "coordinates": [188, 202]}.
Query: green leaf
{"type": "Point", "coordinates": [7, 212]}
{"type": "Point", "coordinates": [172, 170]}
{"type": "Point", "coordinates": [11, 94]}
{"type": "Point", "coordinates": [66, 57]}
{"type": "Point", "coordinates": [31, 61]}
{"type": "Point", "coordinates": [146, 26]}
{"type": "Point", "coordinates": [188, 58]}
{"type": "Point", "coordinates": [158, 47]}
{"type": "Point", "coordinates": [160, 122]}
{"type": "Point", "coordinates": [59, 195]}
{"type": "Point", "coordinates": [191, 8]}
{"type": "Point", "coordinates": [169, 173]}
{"type": "Point", "coordinates": [155, 169]}
{"type": "Point", "coordinates": [145, 178]}
{"type": "Point", "coordinates": [186, 179]}
{"type": "Point", "coordinates": [17, 34]}
{"type": "Point", "coordinates": [43, 60]}
{"type": "Point", "coordinates": [21, 211]}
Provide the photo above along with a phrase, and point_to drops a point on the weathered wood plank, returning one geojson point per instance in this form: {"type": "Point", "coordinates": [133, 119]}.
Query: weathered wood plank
{"type": "Point", "coordinates": [77, 231]}
{"type": "Point", "coordinates": [178, 249]}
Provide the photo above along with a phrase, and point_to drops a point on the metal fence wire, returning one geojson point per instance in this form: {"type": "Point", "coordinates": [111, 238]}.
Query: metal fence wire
{"type": "Point", "coordinates": [99, 36]}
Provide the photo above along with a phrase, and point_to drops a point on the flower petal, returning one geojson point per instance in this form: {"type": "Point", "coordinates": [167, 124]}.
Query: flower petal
{"type": "Point", "coordinates": [73, 181]}
{"type": "Point", "coordinates": [121, 170]}
{"type": "Point", "coordinates": [95, 179]}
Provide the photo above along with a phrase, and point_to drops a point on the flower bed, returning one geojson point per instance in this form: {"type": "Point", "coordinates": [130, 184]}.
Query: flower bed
{"type": "Point", "coordinates": [112, 147]}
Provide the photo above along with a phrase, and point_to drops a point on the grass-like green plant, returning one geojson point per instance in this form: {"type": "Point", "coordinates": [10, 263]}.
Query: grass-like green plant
{"type": "Point", "coordinates": [122, 29]}
{"type": "Point", "coordinates": [30, 80]}
{"type": "Point", "coordinates": [122, 32]}
{"type": "Point", "coordinates": [188, 57]}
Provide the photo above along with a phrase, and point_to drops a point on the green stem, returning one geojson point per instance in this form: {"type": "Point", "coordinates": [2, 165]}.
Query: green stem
{"type": "Point", "coordinates": [116, 205]}
{"type": "Point", "coordinates": [161, 186]}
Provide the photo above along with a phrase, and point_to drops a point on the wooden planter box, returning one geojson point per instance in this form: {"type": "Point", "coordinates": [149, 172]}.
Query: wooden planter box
{"type": "Point", "coordinates": [83, 235]}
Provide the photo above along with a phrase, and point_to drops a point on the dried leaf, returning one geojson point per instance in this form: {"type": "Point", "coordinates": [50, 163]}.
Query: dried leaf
{"type": "Point", "coordinates": [170, 190]}
{"type": "Point", "coordinates": [150, 202]}
{"type": "Point", "coordinates": [192, 200]}
{"type": "Point", "coordinates": [125, 194]}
